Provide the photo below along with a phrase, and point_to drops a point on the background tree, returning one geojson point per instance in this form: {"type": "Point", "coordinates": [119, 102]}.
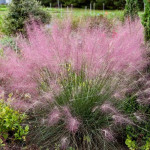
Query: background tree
{"type": "Point", "coordinates": [109, 4]}
{"type": "Point", "coordinates": [20, 12]}
{"type": "Point", "coordinates": [146, 20]}
{"type": "Point", "coordinates": [131, 9]}
{"type": "Point", "coordinates": [47, 2]}
{"type": "Point", "coordinates": [141, 4]}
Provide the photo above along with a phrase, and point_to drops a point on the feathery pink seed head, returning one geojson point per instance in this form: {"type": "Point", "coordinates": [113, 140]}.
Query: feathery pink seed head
{"type": "Point", "coordinates": [143, 101]}
{"type": "Point", "coordinates": [64, 143]}
{"type": "Point", "coordinates": [62, 45]}
{"type": "Point", "coordinates": [148, 83]}
{"type": "Point", "coordinates": [107, 108]}
{"type": "Point", "coordinates": [43, 50]}
{"type": "Point", "coordinates": [147, 91]}
{"type": "Point", "coordinates": [21, 105]}
{"type": "Point", "coordinates": [139, 117]}
{"type": "Point", "coordinates": [54, 116]}
{"type": "Point", "coordinates": [73, 124]}
{"type": "Point", "coordinates": [48, 97]}
{"type": "Point", "coordinates": [119, 119]}
{"type": "Point", "coordinates": [67, 112]}
{"type": "Point", "coordinates": [117, 95]}
{"type": "Point", "coordinates": [108, 135]}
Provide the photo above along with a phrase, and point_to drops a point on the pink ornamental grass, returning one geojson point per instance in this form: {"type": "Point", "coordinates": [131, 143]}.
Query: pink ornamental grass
{"type": "Point", "coordinates": [92, 48]}
{"type": "Point", "coordinates": [120, 119]}
{"type": "Point", "coordinates": [108, 134]}
{"type": "Point", "coordinates": [54, 116]}
{"type": "Point", "coordinates": [108, 108]}
{"type": "Point", "coordinates": [64, 143]}
{"type": "Point", "coordinates": [127, 47]}
{"type": "Point", "coordinates": [21, 105]}
{"type": "Point", "coordinates": [67, 112]}
{"type": "Point", "coordinates": [73, 124]}
{"type": "Point", "coordinates": [2, 92]}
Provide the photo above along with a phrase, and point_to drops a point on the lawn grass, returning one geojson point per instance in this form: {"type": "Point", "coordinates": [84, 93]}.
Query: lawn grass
{"type": "Point", "coordinates": [2, 12]}
{"type": "Point", "coordinates": [3, 8]}
{"type": "Point", "coordinates": [76, 12]}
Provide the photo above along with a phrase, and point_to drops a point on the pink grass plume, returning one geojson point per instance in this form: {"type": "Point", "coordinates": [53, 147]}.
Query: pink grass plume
{"type": "Point", "coordinates": [54, 116]}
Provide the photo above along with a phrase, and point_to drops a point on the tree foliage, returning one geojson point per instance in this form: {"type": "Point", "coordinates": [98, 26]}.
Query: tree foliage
{"type": "Point", "coordinates": [146, 20]}
{"type": "Point", "coordinates": [20, 11]}
{"type": "Point", "coordinates": [131, 9]}
{"type": "Point", "coordinates": [109, 4]}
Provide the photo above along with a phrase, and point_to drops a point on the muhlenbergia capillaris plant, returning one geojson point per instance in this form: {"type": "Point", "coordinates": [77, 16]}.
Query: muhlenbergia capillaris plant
{"type": "Point", "coordinates": [66, 81]}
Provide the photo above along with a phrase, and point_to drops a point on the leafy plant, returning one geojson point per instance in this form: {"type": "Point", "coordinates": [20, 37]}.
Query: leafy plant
{"type": "Point", "coordinates": [147, 145]}
{"type": "Point", "coordinates": [11, 123]}
{"type": "Point", "coordinates": [1, 143]}
{"type": "Point", "coordinates": [131, 144]}
{"type": "Point", "coordinates": [134, 145]}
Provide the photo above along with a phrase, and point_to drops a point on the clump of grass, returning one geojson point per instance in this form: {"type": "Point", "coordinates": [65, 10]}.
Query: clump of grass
{"type": "Point", "coordinates": [66, 81]}
{"type": "Point", "coordinates": [75, 118]}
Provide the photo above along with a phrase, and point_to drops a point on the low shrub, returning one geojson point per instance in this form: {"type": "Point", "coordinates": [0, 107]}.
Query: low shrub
{"type": "Point", "coordinates": [11, 128]}
{"type": "Point", "coordinates": [19, 13]}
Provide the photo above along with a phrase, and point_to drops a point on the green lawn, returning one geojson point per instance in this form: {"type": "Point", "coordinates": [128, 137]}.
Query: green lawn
{"type": "Point", "coordinates": [3, 10]}
{"type": "Point", "coordinates": [118, 14]}
{"type": "Point", "coordinates": [82, 12]}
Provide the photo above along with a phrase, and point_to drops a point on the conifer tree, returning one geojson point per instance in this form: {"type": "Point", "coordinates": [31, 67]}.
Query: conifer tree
{"type": "Point", "coordinates": [131, 9]}
{"type": "Point", "coordinates": [146, 20]}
